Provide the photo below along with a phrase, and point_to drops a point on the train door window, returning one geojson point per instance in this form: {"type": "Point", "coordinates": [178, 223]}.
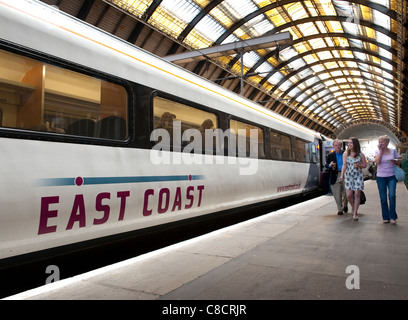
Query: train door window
{"type": "Point", "coordinates": [313, 151]}
{"type": "Point", "coordinates": [240, 128]}
{"type": "Point", "coordinates": [176, 118]}
{"type": "Point", "coordinates": [42, 97]}
{"type": "Point", "coordinates": [280, 146]}
{"type": "Point", "coordinates": [302, 153]}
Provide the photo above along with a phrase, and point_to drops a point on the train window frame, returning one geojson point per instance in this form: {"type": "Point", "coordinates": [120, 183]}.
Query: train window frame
{"type": "Point", "coordinates": [188, 104]}
{"type": "Point", "coordinates": [307, 152]}
{"type": "Point", "coordinates": [260, 127]}
{"type": "Point", "coordinates": [69, 66]}
{"type": "Point", "coordinates": [291, 158]}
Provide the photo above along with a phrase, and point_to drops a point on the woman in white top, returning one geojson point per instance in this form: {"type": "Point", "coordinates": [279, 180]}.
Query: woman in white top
{"type": "Point", "coordinates": [386, 158]}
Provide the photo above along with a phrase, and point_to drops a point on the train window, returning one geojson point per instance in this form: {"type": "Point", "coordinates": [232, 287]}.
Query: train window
{"type": "Point", "coordinates": [168, 114]}
{"type": "Point", "coordinates": [237, 127]}
{"type": "Point", "coordinates": [302, 153]}
{"type": "Point", "coordinates": [313, 152]}
{"type": "Point", "coordinates": [42, 97]}
{"type": "Point", "coordinates": [280, 146]}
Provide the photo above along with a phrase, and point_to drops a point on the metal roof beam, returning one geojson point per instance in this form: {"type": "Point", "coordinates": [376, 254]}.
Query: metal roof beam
{"type": "Point", "coordinates": [238, 24]}
{"type": "Point", "coordinates": [232, 48]}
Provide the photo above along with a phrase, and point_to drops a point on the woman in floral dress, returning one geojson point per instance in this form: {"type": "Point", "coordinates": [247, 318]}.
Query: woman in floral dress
{"type": "Point", "coordinates": [352, 173]}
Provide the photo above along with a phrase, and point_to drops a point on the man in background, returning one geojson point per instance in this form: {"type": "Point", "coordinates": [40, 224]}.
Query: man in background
{"type": "Point", "coordinates": [335, 163]}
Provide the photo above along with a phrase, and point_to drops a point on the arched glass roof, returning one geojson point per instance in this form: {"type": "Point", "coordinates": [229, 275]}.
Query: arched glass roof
{"type": "Point", "coordinates": [345, 63]}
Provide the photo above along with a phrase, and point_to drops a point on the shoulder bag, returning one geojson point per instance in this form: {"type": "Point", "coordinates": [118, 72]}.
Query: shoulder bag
{"type": "Point", "coordinates": [399, 173]}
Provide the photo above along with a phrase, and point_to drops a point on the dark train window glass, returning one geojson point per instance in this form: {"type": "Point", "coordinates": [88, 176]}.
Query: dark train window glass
{"type": "Point", "coordinates": [177, 118]}
{"type": "Point", "coordinates": [238, 128]}
{"type": "Point", "coordinates": [302, 152]}
{"type": "Point", "coordinates": [42, 97]}
{"type": "Point", "coordinates": [313, 152]}
{"type": "Point", "coordinates": [280, 146]}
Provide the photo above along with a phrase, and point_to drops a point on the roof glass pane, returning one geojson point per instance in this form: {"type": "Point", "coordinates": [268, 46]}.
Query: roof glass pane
{"type": "Point", "coordinates": [324, 55]}
{"type": "Point", "coordinates": [300, 47]}
{"type": "Point", "coordinates": [276, 77]}
{"type": "Point", "coordinates": [250, 58]}
{"type": "Point", "coordinates": [262, 27]}
{"type": "Point", "coordinates": [296, 11]}
{"type": "Point", "coordinates": [384, 39]}
{"type": "Point", "coordinates": [334, 26]}
{"type": "Point", "coordinates": [275, 17]}
{"type": "Point", "coordinates": [137, 8]}
{"type": "Point", "coordinates": [286, 85]}
{"type": "Point", "coordinates": [287, 53]}
{"type": "Point", "coordinates": [385, 3]}
{"type": "Point", "coordinates": [209, 28]}
{"type": "Point", "coordinates": [365, 13]}
{"type": "Point", "coordinates": [384, 53]}
{"type": "Point", "coordinates": [381, 19]}
{"type": "Point", "coordinates": [231, 38]}
{"type": "Point", "coordinates": [167, 22]}
{"type": "Point", "coordinates": [197, 41]}
{"type": "Point", "coordinates": [183, 10]}
{"type": "Point", "coordinates": [351, 28]}
{"type": "Point", "coordinates": [237, 9]}
{"type": "Point", "coordinates": [264, 68]}
{"type": "Point", "coordinates": [296, 64]}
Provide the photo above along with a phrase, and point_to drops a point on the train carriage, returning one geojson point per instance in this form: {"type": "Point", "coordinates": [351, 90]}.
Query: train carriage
{"type": "Point", "coordinates": [100, 138]}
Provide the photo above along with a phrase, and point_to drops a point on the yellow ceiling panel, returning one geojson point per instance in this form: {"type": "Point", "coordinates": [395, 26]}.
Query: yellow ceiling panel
{"type": "Point", "coordinates": [325, 7]}
{"type": "Point", "coordinates": [221, 17]}
{"type": "Point", "coordinates": [275, 17]}
{"type": "Point", "coordinates": [167, 22]}
{"type": "Point", "coordinates": [366, 13]}
{"type": "Point", "coordinates": [300, 47]}
{"type": "Point", "coordinates": [296, 10]}
{"type": "Point", "coordinates": [318, 43]}
{"type": "Point", "coordinates": [334, 26]}
{"type": "Point", "coordinates": [308, 29]}
{"type": "Point", "coordinates": [137, 8]}
{"type": "Point", "coordinates": [346, 54]}
{"type": "Point", "coordinates": [310, 58]}
{"type": "Point", "coordinates": [202, 3]}
{"type": "Point", "coordinates": [263, 3]}
{"type": "Point", "coordinates": [325, 55]}
{"type": "Point", "coordinates": [197, 41]}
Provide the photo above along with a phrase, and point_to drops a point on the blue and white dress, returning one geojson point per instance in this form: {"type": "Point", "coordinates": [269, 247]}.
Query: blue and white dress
{"type": "Point", "coordinates": [354, 179]}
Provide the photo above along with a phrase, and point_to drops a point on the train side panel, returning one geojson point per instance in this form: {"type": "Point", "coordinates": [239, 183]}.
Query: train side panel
{"type": "Point", "coordinates": [54, 194]}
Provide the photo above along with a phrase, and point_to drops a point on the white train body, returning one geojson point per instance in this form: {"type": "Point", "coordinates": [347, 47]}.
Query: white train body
{"type": "Point", "coordinates": [58, 189]}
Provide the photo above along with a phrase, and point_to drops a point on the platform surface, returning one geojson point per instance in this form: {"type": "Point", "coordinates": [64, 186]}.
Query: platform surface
{"type": "Point", "coordinates": [302, 252]}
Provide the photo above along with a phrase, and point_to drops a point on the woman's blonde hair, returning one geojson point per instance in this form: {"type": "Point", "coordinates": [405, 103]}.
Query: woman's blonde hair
{"type": "Point", "coordinates": [385, 137]}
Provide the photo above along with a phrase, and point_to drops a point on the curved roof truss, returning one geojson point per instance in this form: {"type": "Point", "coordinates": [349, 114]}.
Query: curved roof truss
{"type": "Point", "coordinates": [341, 50]}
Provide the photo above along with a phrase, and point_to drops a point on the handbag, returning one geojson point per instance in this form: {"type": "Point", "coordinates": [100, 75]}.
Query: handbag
{"type": "Point", "coordinates": [398, 172]}
{"type": "Point", "coordinates": [362, 197]}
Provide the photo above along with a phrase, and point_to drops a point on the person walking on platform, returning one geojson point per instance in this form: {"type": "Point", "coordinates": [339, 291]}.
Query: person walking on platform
{"type": "Point", "coordinates": [335, 164]}
{"type": "Point", "coordinates": [385, 159]}
{"type": "Point", "coordinates": [352, 174]}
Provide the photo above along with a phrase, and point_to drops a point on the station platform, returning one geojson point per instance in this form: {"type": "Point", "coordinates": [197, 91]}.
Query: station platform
{"type": "Point", "coordinates": [304, 252]}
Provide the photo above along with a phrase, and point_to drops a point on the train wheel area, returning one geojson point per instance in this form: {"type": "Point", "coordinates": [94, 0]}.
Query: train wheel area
{"type": "Point", "coordinates": [304, 251]}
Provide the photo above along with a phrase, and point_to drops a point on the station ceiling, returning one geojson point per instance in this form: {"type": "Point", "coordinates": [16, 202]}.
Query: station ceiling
{"type": "Point", "coordinates": [346, 64]}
